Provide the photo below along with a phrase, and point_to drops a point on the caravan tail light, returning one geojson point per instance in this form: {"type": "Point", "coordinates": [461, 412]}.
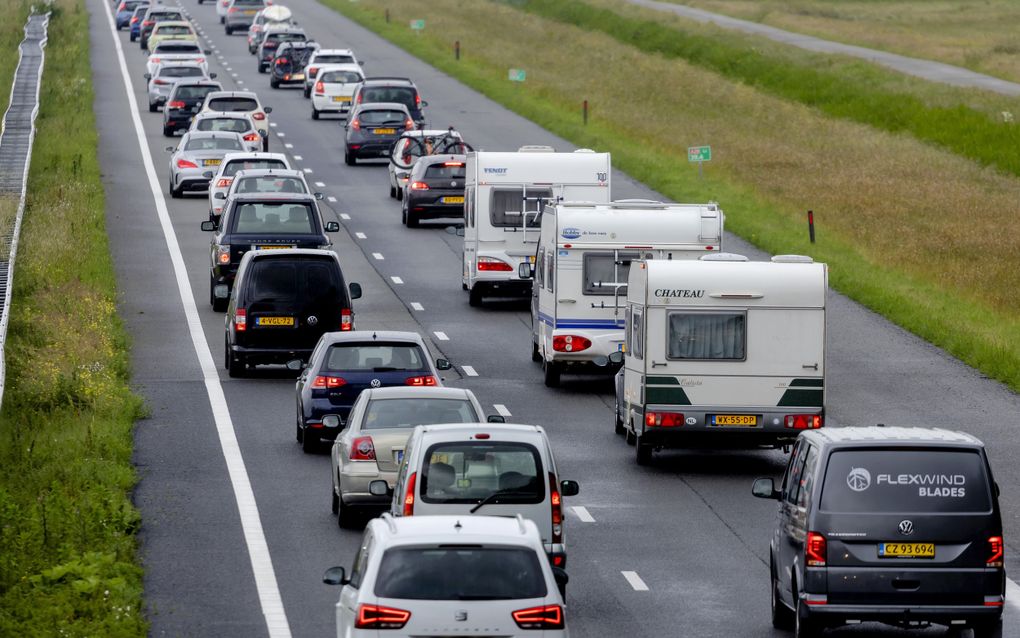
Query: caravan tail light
{"type": "Point", "coordinates": [346, 320]}
{"type": "Point", "coordinates": [379, 617]}
{"type": "Point", "coordinates": [570, 343]}
{"type": "Point", "coordinates": [362, 449]}
{"type": "Point", "coordinates": [241, 320]}
{"type": "Point", "coordinates": [491, 264]}
{"type": "Point", "coordinates": [995, 551]}
{"type": "Point", "coordinates": [803, 421]}
{"type": "Point", "coordinates": [409, 495]}
{"type": "Point", "coordinates": [427, 380]}
{"type": "Point", "coordinates": [556, 503]}
{"type": "Point", "coordinates": [664, 419]}
{"type": "Point", "coordinates": [543, 617]}
{"type": "Point", "coordinates": [814, 550]}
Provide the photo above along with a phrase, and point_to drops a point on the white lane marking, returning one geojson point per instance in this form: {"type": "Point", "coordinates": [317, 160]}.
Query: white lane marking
{"type": "Point", "coordinates": [251, 523]}
{"type": "Point", "coordinates": [278, 134]}
{"type": "Point", "coordinates": [233, 75]}
{"type": "Point", "coordinates": [273, 124]}
{"type": "Point", "coordinates": [307, 170]}
{"type": "Point", "coordinates": [378, 256]}
{"type": "Point", "coordinates": [583, 514]}
{"type": "Point", "coordinates": [396, 280]}
{"type": "Point", "coordinates": [1012, 594]}
{"type": "Point", "coordinates": [360, 235]}
{"type": "Point", "coordinates": [240, 83]}
{"type": "Point", "coordinates": [635, 581]}
{"type": "Point", "coordinates": [298, 158]}
{"type": "Point", "coordinates": [228, 68]}
{"type": "Point", "coordinates": [288, 145]}
{"type": "Point", "coordinates": [441, 335]}
{"type": "Point", "coordinates": [332, 200]}
{"type": "Point", "coordinates": [321, 184]}
{"type": "Point", "coordinates": [417, 306]}
{"type": "Point", "coordinates": [345, 217]}
{"type": "Point", "coordinates": [502, 410]}
{"type": "Point", "coordinates": [468, 370]}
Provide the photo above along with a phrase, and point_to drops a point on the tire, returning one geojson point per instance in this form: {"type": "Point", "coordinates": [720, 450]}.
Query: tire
{"type": "Point", "coordinates": [218, 305]}
{"type": "Point", "coordinates": [349, 159]}
{"type": "Point", "coordinates": [133, 37]}
{"type": "Point", "coordinates": [315, 114]}
{"type": "Point", "coordinates": [235, 364]}
{"type": "Point", "coordinates": [168, 132]}
{"type": "Point", "coordinates": [400, 194]}
{"type": "Point", "coordinates": [153, 107]}
{"type": "Point", "coordinates": [413, 221]}
{"type": "Point", "coordinates": [228, 30]}
{"type": "Point", "coordinates": [345, 516]}
{"type": "Point", "coordinates": [393, 192]}
{"type": "Point", "coordinates": [629, 436]}
{"type": "Point", "coordinates": [334, 506]}
{"type": "Point", "coordinates": [643, 451]}
{"type": "Point", "coordinates": [803, 625]}
{"type": "Point", "coordinates": [988, 629]}
{"type": "Point", "coordinates": [274, 83]}
{"type": "Point", "coordinates": [299, 434]}
{"type": "Point", "coordinates": [475, 297]}
{"type": "Point", "coordinates": [309, 444]}
{"type": "Point", "coordinates": [618, 425]}
{"type": "Point", "coordinates": [265, 144]}
{"type": "Point", "coordinates": [551, 372]}
{"type": "Point", "coordinates": [403, 215]}
{"type": "Point", "coordinates": [262, 68]}
{"type": "Point", "coordinates": [175, 193]}
{"type": "Point", "coordinates": [536, 356]}
{"type": "Point", "coordinates": [308, 92]}
{"type": "Point", "coordinates": [782, 616]}
{"type": "Point", "coordinates": [222, 20]}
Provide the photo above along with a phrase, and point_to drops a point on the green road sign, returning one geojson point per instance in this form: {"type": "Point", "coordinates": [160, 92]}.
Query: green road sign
{"type": "Point", "coordinates": [418, 25]}
{"type": "Point", "coordinates": [517, 75]}
{"type": "Point", "coordinates": [699, 154]}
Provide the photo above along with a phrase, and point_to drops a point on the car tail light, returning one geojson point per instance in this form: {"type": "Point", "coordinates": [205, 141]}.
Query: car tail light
{"type": "Point", "coordinates": [664, 419]}
{"type": "Point", "coordinates": [360, 98]}
{"type": "Point", "coordinates": [362, 449]}
{"type": "Point", "coordinates": [148, 23]}
{"type": "Point", "coordinates": [492, 264]}
{"type": "Point", "coordinates": [556, 504]}
{"type": "Point", "coordinates": [232, 10]}
{"type": "Point", "coordinates": [320, 88]}
{"type": "Point", "coordinates": [159, 82]}
{"type": "Point", "coordinates": [269, 45]}
{"type": "Point", "coordinates": [543, 617]}
{"type": "Point", "coordinates": [199, 60]}
{"type": "Point", "coordinates": [323, 382]}
{"type": "Point", "coordinates": [154, 60]}
{"type": "Point", "coordinates": [312, 70]}
{"type": "Point", "coordinates": [223, 253]}
{"type": "Point", "coordinates": [346, 320]}
{"type": "Point", "coordinates": [409, 124]}
{"type": "Point", "coordinates": [420, 381]}
{"type": "Point", "coordinates": [417, 100]}
{"type": "Point", "coordinates": [183, 163]}
{"type": "Point", "coordinates": [356, 124]}
{"type": "Point", "coordinates": [241, 320]}
{"type": "Point", "coordinates": [409, 495]}
{"type": "Point", "coordinates": [803, 421]}
{"type": "Point", "coordinates": [814, 550]}
{"type": "Point", "coordinates": [225, 2]}
{"type": "Point", "coordinates": [252, 137]}
{"type": "Point", "coordinates": [176, 104]}
{"type": "Point", "coordinates": [995, 550]}
{"type": "Point", "coordinates": [570, 343]}
{"type": "Point", "coordinates": [134, 19]}
{"type": "Point", "coordinates": [419, 186]}
{"type": "Point", "coordinates": [378, 617]}
{"type": "Point", "coordinates": [258, 115]}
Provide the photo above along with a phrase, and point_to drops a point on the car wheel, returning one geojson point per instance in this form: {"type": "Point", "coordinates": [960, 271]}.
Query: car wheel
{"type": "Point", "coordinates": [222, 19]}
{"type": "Point", "coordinates": [803, 625]}
{"type": "Point", "coordinates": [536, 356]}
{"type": "Point", "coordinates": [393, 191]}
{"type": "Point", "coordinates": [133, 37]}
{"type": "Point", "coordinates": [782, 616]}
{"type": "Point", "coordinates": [475, 297]}
{"type": "Point", "coordinates": [644, 451]}
{"type": "Point", "coordinates": [630, 436]}
{"type": "Point", "coordinates": [265, 144]}
{"type": "Point", "coordinates": [175, 193]}
{"type": "Point", "coordinates": [274, 83]}
{"type": "Point", "coordinates": [315, 114]}
{"type": "Point", "coordinates": [309, 443]}
{"type": "Point", "coordinates": [335, 504]}
{"type": "Point", "coordinates": [551, 371]}
{"type": "Point", "coordinates": [400, 194]}
{"type": "Point", "coordinates": [218, 305]}
{"type": "Point", "coordinates": [168, 131]}
{"type": "Point", "coordinates": [345, 516]}
{"type": "Point", "coordinates": [618, 426]}
{"type": "Point", "coordinates": [262, 68]}
{"type": "Point", "coordinates": [235, 364]}
{"type": "Point", "coordinates": [153, 107]}
{"type": "Point", "coordinates": [413, 221]}
{"type": "Point", "coordinates": [349, 159]}
{"type": "Point", "coordinates": [228, 30]}
{"type": "Point", "coordinates": [988, 629]}
{"type": "Point", "coordinates": [308, 92]}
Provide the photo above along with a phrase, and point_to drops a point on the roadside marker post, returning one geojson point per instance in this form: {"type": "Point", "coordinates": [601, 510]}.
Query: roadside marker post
{"type": "Point", "coordinates": [517, 75]}
{"type": "Point", "coordinates": [418, 25]}
{"type": "Point", "coordinates": [586, 112]}
{"type": "Point", "coordinates": [811, 225]}
{"type": "Point", "coordinates": [699, 154]}
{"type": "Point", "coordinates": [456, 50]}
{"type": "Point", "coordinates": [387, 16]}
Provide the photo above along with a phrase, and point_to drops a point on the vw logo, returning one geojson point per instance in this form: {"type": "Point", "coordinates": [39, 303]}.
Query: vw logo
{"type": "Point", "coordinates": [313, 320]}
{"type": "Point", "coordinates": [859, 479]}
{"type": "Point", "coordinates": [906, 527]}
{"type": "Point", "coordinates": [460, 616]}
{"type": "Point", "coordinates": [375, 383]}
{"type": "Point", "coordinates": [453, 183]}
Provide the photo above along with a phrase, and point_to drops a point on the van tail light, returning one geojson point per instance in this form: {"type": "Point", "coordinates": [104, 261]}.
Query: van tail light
{"type": "Point", "coordinates": [176, 104]}
{"type": "Point", "coordinates": [362, 449]}
{"type": "Point", "coordinates": [491, 264]}
{"type": "Point", "coordinates": [409, 124]}
{"type": "Point", "coordinates": [427, 380]}
{"type": "Point", "coordinates": [223, 182]}
{"type": "Point", "coordinates": [223, 254]}
{"type": "Point", "coordinates": [419, 186]}
{"type": "Point", "coordinates": [312, 70]}
{"type": "Point", "coordinates": [379, 617]}
{"type": "Point", "coordinates": [803, 421]}
{"type": "Point", "coordinates": [814, 550]}
{"type": "Point", "coordinates": [995, 551]}
{"type": "Point", "coordinates": [241, 320]}
{"type": "Point", "coordinates": [556, 503]}
{"type": "Point", "coordinates": [543, 617]}
{"type": "Point", "coordinates": [356, 124]}
{"type": "Point", "coordinates": [323, 382]}
{"type": "Point", "coordinates": [409, 495]}
{"type": "Point", "coordinates": [664, 419]}
{"type": "Point", "coordinates": [258, 115]}
{"type": "Point", "coordinates": [570, 343]}
{"type": "Point", "coordinates": [252, 137]}
{"type": "Point", "coordinates": [346, 320]}
{"type": "Point", "coordinates": [320, 88]}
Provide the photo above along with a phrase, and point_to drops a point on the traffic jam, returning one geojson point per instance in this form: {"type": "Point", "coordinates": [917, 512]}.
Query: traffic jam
{"type": "Point", "coordinates": [463, 511]}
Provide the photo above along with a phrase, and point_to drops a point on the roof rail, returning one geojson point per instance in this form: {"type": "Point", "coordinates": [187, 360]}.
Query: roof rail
{"type": "Point", "coordinates": [387, 77]}
{"type": "Point", "coordinates": [390, 523]}
{"type": "Point", "coordinates": [792, 259]}
{"type": "Point", "coordinates": [536, 148]}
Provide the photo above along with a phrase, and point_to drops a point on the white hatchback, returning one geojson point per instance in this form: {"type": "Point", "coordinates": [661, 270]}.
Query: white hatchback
{"type": "Point", "coordinates": [334, 87]}
{"type": "Point", "coordinates": [450, 576]}
{"type": "Point", "coordinates": [219, 183]}
{"type": "Point", "coordinates": [322, 57]}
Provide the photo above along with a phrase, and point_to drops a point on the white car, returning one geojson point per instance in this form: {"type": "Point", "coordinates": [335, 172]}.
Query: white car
{"type": "Point", "coordinates": [326, 56]}
{"type": "Point", "coordinates": [269, 180]}
{"type": "Point", "coordinates": [334, 87]}
{"type": "Point", "coordinates": [407, 150]}
{"type": "Point", "coordinates": [450, 575]}
{"type": "Point", "coordinates": [241, 102]}
{"type": "Point", "coordinates": [234, 122]}
{"type": "Point", "coordinates": [219, 182]}
{"type": "Point", "coordinates": [170, 51]}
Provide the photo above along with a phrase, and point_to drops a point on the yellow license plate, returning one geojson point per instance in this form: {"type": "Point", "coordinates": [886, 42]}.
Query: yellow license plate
{"type": "Point", "coordinates": [274, 321]}
{"type": "Point", "coordinates": [341, 98]}
{"type": "Point", "coordinates": [211, 162]}
{"type": "Point", "coordinates": [271, 247]}
{"type": "Point", "coordinates": [385, 131]}
{"type": "Point", "coordinates": [250, 12]}
{"type": "Point", "coordinates": [453, 200]}
{"type": "Point", "coordinates": [735, 419]}
{"type": "Point", "coordinates": [906, 550]}
{"type": "Point", "coordinates": [298, 76]}
{"type": "Point", "coordinates": [531, 259]}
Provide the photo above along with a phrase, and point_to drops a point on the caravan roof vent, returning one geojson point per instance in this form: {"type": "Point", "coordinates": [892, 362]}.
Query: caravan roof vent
{"type": "Point", "coordinates": [723, 257]}
{"type": "Point", "coordinates": [792, 259]}
{"type": "Point", "coordinates": [584, 150]}
{"type": "Point", "coordinates": [536, 148]}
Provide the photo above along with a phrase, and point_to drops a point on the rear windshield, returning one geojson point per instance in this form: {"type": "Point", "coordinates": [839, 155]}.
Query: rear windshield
{"type": "Point", "coordinates": [394, 118]}
{"type": "Point", "coordinates": [165, 16]}
{"type": "Point", "coordinates": [233, 124]}
{"type": "Point", "coordinates": [194, 92]}
{"type": "Point", "coordinates": [175, 47]}
{"type": "Point", "coordinates": [172, 29]}
{"type": "Point", "coordinates": [905, 481]}
{"type": "Point", "coordinates": [375, 357]}
{"type": "Point", "coordinates": [271, 184]}
{"type": "Point", "coordinates": [285, 280]}
{"type": "Point", "coordinates": [334, 58]}
{"type": "Point", "coordinates": [451, 170]}
{"type": "Point", "coordinates": [469, 471]}
{"type": "Point", "coordinates": [340, 77]}
{"type": "Point", "coordinates": [233, 104]}
{"type": "Point", "coordinates": [214, 144]}
{"type": "Point", "coordinates": [285, 37]}
{"type": "Point", "coordinates": [130, 5]}
{"type": "Point", "coordinates": [406, 413]}
{"type": "Point", "coordinates": [249, 3]}
{"type": "Point", "coordinates": [460, 573]}
{"type": "Point", "coordinates": [140, 10]}
{"type": "Point", "coordinates": [248, 164]}
{"type": "Point", "coordinates": [510, 206]}
{"type": "Point", "coordinates": [399, 94]}
{"type": "Point", "coordinates": [265, 218]}
{"type": "Point", "coordinates": [181, 72]}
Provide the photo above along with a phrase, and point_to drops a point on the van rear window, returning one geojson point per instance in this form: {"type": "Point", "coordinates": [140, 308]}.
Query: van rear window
{"type": "Point", "coordinates": [906, 481]}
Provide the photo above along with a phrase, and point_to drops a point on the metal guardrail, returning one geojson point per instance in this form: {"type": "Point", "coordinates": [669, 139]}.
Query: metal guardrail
{"type": "Point", "coordinates": [17, 133]}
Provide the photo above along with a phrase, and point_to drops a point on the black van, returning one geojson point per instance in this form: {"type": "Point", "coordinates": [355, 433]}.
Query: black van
{"type": "Point", "coordinates": [889, 524]}
{"type": "Point", "coordinates": [282, 302]}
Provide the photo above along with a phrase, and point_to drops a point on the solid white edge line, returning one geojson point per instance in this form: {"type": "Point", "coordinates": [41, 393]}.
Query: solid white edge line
{"type": "Point", "coordinates": [635, 581]}
{"type": "Point", "coordinates": [441, 335]}
{"type": "Point", "coordinates": [583, 514]}
{"type": "Point", "coordinates": [251, 523]}
{"type": "Point", "coordinates": [502, 410]}
{"type": "Point", "coordinates": [470, 371]}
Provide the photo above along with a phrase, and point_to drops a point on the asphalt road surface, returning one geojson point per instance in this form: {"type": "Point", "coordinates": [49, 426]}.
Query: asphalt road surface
{"type": "Point", "coordinates": [237, 528]}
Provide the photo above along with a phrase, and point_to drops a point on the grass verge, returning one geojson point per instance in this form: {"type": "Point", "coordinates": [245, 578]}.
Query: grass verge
{"type": "Point", "coordinates": [11, 34]}
{"type": "Point", "coordinates": [68, 565]}
{"type": "Point", "coordinates": [903, 224]}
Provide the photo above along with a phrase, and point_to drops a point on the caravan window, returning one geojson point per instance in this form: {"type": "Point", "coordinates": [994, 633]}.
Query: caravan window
{"type": "Point", "coordinates": [707, 335]}
{"type": "Point", "coordinates": [539, 265]}
{"type": "Point", "coordinates": [507, 203]}
{"type": "Point", "coordinates": [636, 334]}
{"type": "Point", "coordinates": [601, 271]}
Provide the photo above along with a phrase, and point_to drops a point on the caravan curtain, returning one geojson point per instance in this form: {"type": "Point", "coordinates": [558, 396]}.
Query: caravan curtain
{"type": "Point", "coordinates": [707, 336]}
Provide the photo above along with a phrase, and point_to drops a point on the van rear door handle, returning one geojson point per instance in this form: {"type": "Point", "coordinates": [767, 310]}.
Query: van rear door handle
{"type": "Point", "coordinates": [656, 364]}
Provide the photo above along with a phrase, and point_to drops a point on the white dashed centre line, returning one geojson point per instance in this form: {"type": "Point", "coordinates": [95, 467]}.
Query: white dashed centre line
{"type": "Point", "coordinates": [378, 256]}
{"type": "Point", "coordinates": [441, 335]}
{"type": "Point", "coordinates": [307, 170]}
{"type": "Point", "coordinates": [502, 410]}
{"type": "Point", "coordinates": [396, 280]}
{"type": "Point", "coordinates": [360, 235]}
{"type": "Point", "coordinates": [635, 581]}
{"type": "Point", "coordinates": [321, 184]}
{"type": "Point", "coordinates": [332, 200]}
{"type": "Point", "coordinates": [345, 217]}
{"type": "Point", "coordinates": [417, 306]}
{"type": "Point", "coordinates": [233, 75]}
{"type": "Point", "coordinates": [288, 145]}
{"type": "Point", "coordinates": [583, 514]}
{"type": "Point", "coordinates": [273, 124]}
{"type": "Point", "coordinates": [468, 370]}
{"type": "Point", "coordinates": [298, 158]}
{"type": "Point", "coordinates": [278, 134]}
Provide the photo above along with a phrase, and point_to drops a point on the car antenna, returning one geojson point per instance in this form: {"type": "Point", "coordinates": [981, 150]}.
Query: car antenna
{"type": "Point", "coordinates": [457, 526]}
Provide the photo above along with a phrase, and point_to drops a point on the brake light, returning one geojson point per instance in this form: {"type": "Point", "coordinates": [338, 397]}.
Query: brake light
{"type": "Point", "coordinates": [996, 549]}
{"type": "Point", "coordinates": [803, 421]}
{"type": "Point", "coordinates": [360, 98]}
{"type": "Point", "coordinates": [269, 45]}
{"type": "Point", "coordinates": [148, 23]}
{"type": "Point", "coordinates": [159, 82]}
{"type": "Point", "coordinates": [312, 71]}
{"type": "Point", "coordinates": [543, 617]}
{"type": "Point", "coordinates": [258, 115]}
{"type": "Point", "coordinates": [320, 88]}
{"type": "Point", "coordinates": [183, 163]}
{"type": "Point", "coordinates": [417, 100]}
{"type": "Point", "coordinates": [356, 124]}
{"type": "Point", "coordinates": [199, 60]}
{"type": "Point", "coordinates": [378, 617]}
{"type": "Point", "coordinates": [241, 320]}
{"type": "Point", "coordinates": [557, 509]}
{"type": "Point", "coordinates": [346, 320]}
{"type": "Point", "coordinates": [232, 10]}
{"type": "Point", "coordinates": [453, 163]}
{"type": "Point", "coordinates": [664, 419]}
{"type": "Point", "coordinates": [409, 124]}
{"type": "Point", "coordinates": [223, 253]}
{"type": "Point", "coordinates": [252, 137]}
{"type": "Point", "coordinates": [814, 550]}
{"type": "Point", "coordinates": [421, 381]}
{"type": "Point", "coordinates": [176, 104]}
{"type": "Point", "coordinates": [491, 264]}
{"type": "Point", "coordinates": [570, 343]}
{"type": "Point", "coordinates": [223, 182]}
{"type": "Point", "coordinates": [281, 61]}
{"type": "Point", "coordinates": [362, 449]}
{"type": "Point", "coordinates": [419, 186]}
{"type": "Point", "coordinates": [409, 495]}
{"type": "Point", "coordinates": [134, 19]}
{"type": "Point", "coordinates": [154, 60]}
{"type": "Point", "coordinates": [323, 382]}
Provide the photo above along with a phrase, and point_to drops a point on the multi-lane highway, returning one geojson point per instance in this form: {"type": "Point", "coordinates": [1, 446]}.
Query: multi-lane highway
{"type": "Point", "coordinates": [236, 522]}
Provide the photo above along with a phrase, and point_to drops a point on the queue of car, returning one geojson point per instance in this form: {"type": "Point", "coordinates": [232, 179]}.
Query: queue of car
{"type": "Point", "coordinates": [710, 349]}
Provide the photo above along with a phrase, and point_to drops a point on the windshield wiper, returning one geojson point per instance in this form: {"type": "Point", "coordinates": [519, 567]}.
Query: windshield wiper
{"type": "Point", "coordinates": [495, 495]}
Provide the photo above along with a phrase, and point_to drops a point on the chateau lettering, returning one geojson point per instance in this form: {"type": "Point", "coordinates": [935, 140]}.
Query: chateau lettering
{"type": "Point", "coordinates": [678, 292]}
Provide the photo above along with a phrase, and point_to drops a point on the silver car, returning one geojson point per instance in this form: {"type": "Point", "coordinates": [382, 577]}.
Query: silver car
{"type": "Point", "coordinates": [167, 75]}
{"type": "Point", "coordinates": [240, 13]}
{"type": "Point", "coordinates": [198, 153]}
{"type": "Point", "coordinates": [231, 122]}
{"type": "Point", "coordinates": [231, 166]}
{"type": "Point", "coordinates": [178, 51]}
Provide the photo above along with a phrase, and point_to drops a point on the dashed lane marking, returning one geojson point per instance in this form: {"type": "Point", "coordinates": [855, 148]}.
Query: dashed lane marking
{"type": "Point", "coordinates": [345, 217]}
{"type": "Point", "coordinates": [417, 306]}
{"type": "Point", "coordinates": [441, 335]}
{"type": "Point", "coordinates": [360, 235]}
{"type": "Point", "coordinates": [288, 145]}
{"type": "Point", "coordinates": [378, 256]}
{"type": "Point", "coordinates": [468, 370]}
{"type": "Point", "coordinates": [583, 514]}
{"type": "Point", "coordinates": [321, 184]}
{"type": "Point", "coordinates": [298, 158]}
{"type": "Point", "coordinates": [502, 410]}
{"type": "Point", "coordinates": [635, 581]}
{"type": "Point", "coordinates": [396, 280]}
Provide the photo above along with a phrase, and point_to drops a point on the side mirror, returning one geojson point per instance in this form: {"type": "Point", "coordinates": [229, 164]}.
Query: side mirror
{"type": "Point", "coordinates": [525, 271]}
{"type": "Point", "coordinates": [295, 364]}
{"type": "Point", "coordinates": [335, 576]}
{"type": "Point", "coordinates": [319, 196]}
{"type": "Point", "coordinates": [616, 357]}
{"type": "Point", "coordinates": [170, 149]}
{"type": "Point", "coordinates": [424, 103]}
{"type": "Point", "coordinates": [332, 227]}
{"type": "Point", "coordinates": [207, 51]}
{"type": "Point", "coordinates": [331, 421]}
{"type": "Point", "coordinates": [570, 488]}
{"type": "Point", "coordinates": [361, 63]}
{"type": "Point", "coordinates": [355, 289]}
{"type": "Point", "coordinates": [560, 576]}
{"type": "Point", "coordinates": [209, 226]}
{"type": "Point", "coordinates": [147, 76]}
{"type": "Point", "coordinates": [495, 418]}
{"type": "Point", "coordinates": [212, 76]}
{"type": "Point", "coordinates": [443, 364]}
{"type": "Point", "coordinates": [208, 175]}
{"type": "Point", "coordinates": [379, 488]}
{"type": "Point", "coordinates": [220, 195]}
{"type": "Point", "coordinates": [764, 488]}
{"type": "Point", "coordinates": [267, 109]}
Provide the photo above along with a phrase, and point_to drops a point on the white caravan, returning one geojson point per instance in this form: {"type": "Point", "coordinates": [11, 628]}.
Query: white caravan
{"type": "Point", "coordinates": [504, 194]}
{"type": "Point", "coordinates": [580, 275]}
{"type": "Point", "coordinates": [722, 352]}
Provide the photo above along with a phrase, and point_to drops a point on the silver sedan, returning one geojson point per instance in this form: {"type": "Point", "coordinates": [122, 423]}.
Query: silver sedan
{"type": "Point", "coordinates": [198, 153]}
{"type": "Point", "coordinates": [166, 75]}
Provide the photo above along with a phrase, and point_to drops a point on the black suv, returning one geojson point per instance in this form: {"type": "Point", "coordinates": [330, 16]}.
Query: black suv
{"type": "Point", "coordinates": [386, 89]}
{"type": "Point", "coordinates": [184, 101]}
{"type": "Point", "coordinates": [284, 301]}
{"type": "Point", "coordinates": [895, 525]}
{"type": "Point", "coordinates": [261, 222]}
{"type": "Point", "coordinates": [435, 189]}
{"type": "Point", "coordinates": [273, 39]}
{"type": "Point", "coordinates": [288, 66]}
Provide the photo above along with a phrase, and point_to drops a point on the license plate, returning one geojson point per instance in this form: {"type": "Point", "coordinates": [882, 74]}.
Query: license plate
{"type": "Point", "coordinates": [250, 12]}
{"type": "Point", "coordinates": [531, 259]}
{"type": "Point", "coordinates": [906, 550]}
{"type": "Point", "coordinates": [298, 76]}
{"type": "Point", "coordinates": [452, 200]}
{"type": "Point", "coordinates": [274, 247]}
{"type": "Point", "coordinates": [341, 98]}
{"type": "Point", "coordinates": [735, 419]}
{"type": "Point", "coordinates": [274, 321]}
{"type": "Point", "coordinates": [211, 162]}
{"type": "Point", "coordinates": [385, 131]}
